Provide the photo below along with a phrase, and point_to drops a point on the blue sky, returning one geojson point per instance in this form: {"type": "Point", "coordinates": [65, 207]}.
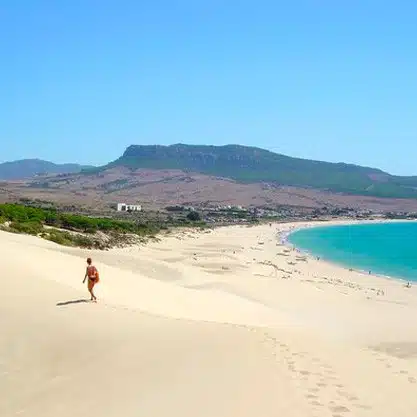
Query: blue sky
{"type": "Point", "coordinates": [332, 80]}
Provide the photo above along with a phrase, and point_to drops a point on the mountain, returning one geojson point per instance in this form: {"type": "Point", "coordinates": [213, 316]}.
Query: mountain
{"type": "Point", "coordinates": [253, 165]}
{"type": "Point", "coordinates": [27, 168]}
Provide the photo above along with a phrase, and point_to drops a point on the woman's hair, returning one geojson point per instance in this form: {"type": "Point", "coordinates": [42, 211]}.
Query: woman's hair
{"type": "Point", "coordinates": [89, 261]}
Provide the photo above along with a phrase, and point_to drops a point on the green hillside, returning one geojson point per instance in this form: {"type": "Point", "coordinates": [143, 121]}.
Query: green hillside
{"type": "Point", "coordinates": [250, 164]}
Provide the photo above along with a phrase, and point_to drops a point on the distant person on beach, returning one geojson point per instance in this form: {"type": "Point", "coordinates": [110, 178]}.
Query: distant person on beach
{"type": "Point", "coordinates": [91, 273]}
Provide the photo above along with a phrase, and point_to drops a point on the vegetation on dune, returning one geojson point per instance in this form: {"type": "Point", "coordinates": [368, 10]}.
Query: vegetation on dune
{"type": "Point", "coordinates": [250, 164]}
{"type": "Point", "coordinates": [79, 230]}
{"type": "Point", "coordinates": [30, 228]}
{"type": "Point", "coordinates": [67, 239]}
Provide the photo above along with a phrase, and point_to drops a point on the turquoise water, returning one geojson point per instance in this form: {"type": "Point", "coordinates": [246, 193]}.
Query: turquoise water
{"type": "Point", "coordinates": [383, 248]}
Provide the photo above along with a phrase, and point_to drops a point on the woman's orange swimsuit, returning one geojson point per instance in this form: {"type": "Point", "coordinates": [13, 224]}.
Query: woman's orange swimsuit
{"type": "Point", "coordinates": [93, 276]}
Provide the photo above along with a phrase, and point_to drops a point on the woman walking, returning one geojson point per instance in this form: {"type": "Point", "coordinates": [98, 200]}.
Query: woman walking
{"type": "Point", "coordinates": [91, 273]}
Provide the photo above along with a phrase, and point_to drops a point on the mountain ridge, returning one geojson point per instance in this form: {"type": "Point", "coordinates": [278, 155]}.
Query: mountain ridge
{"type": "Point", "coordinates": [242, 164]}
{"type": "Point", "coordinates": [252, 164]}
{"type": "Point", "coordinates": [27, 168]}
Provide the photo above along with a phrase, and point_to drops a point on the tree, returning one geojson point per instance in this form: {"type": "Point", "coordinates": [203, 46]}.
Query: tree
{"type": "Point", "coordinates": [194, 216]}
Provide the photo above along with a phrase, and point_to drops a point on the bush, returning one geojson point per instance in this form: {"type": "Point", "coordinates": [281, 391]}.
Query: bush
{"type": "Point", "coordinates": [30, 228]}
{"type": "Point", "coordinates": [16, 212]}
{"type": "Point", "coordinates": [194, 216]}
{"type": "Point", "coordinates": [61, 238]}
{"type": "Point", "coordinates": [83, 241]}
{"type": "Point", "coordinates": [51, 219]}
{"type": "Point", "coordinates": [81, 223]}
{"type": "Point", "coordinates": [68, 239]}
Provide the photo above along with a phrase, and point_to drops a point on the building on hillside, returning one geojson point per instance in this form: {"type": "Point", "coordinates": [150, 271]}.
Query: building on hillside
{"type": "Point", "coordinates": [128, 207]}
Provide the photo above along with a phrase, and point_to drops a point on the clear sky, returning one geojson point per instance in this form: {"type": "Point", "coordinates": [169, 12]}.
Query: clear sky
{"type": "Point", "coordinates": [332, 80]}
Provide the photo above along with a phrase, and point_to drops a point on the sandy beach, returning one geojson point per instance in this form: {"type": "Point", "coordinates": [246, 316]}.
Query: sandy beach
{"type": "Point", "coordinates": [216, 323]}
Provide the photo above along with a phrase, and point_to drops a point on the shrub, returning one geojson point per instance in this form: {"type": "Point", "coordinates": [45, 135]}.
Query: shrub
{"type": "Point", "coordinates": [61, 238]}
{"type": "Point", "coordinates": [51, 219]}
{"type": "Point", "coordinates": [75, 222]}
{"type": "Point", "coordinates": [68, 239]}
{"type": "Point", "coordinates": [30, 228]}
{"type": "Point", "coordinates": [194, 216]}
{"type": "Point", "coordinates": [83, 241]}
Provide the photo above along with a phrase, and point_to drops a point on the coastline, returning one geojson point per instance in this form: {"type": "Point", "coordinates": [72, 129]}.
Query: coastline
{"type": "Point", "coordinates": [216, 312]}
{"type": "Point", "coordinates": [285, 235]}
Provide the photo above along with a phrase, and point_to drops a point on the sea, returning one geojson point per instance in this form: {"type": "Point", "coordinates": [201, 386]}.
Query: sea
{"type": "Point", "coordinates": [388, 249]}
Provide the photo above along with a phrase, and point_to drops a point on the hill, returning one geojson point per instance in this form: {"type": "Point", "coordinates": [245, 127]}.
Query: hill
{"type": "Point", "coordinates": [219, 175]}
{"type": "Point", "coordinates": [254, 165]}
{"type": "Point", "coordinates": [27, 168]}
{"type": "Point", "coordinates": [157, 188]}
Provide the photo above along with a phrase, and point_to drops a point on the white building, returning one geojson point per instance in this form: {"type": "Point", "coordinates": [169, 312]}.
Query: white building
{"type": "Point", "coordinates": [128, 207]}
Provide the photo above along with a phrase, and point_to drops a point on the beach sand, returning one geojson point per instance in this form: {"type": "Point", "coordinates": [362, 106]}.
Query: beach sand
{"type": "Point", "coordinates": [227, 322]}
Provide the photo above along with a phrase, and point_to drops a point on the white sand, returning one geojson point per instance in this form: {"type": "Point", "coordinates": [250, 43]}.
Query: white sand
{"type": "Point", "coordinates": [225, 323]}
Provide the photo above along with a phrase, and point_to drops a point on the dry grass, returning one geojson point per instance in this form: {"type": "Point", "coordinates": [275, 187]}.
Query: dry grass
{"type": "Point", "coordinates": [158, 188]}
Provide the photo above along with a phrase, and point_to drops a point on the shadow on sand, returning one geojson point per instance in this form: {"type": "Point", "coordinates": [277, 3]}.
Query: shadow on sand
{"type": "Point", "coordinates": [65, 303]}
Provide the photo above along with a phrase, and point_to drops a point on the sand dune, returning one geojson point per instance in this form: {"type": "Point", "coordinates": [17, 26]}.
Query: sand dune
{"type": "Point", "coordinates": [213, 324]}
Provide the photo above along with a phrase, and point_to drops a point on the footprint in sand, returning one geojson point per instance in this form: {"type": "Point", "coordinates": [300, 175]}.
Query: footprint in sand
{"type": "Point", "coordinates": [317, 379]}
{"type": "Point", "coordinates": [347, 396]}
{"type": "Point", "coordinates": [363, 406]}
{"type": "Point", "coordinates": [339, 409]}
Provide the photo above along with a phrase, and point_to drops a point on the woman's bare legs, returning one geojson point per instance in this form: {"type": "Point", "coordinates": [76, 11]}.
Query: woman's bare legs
{"type": "Point", "coordinates": [90, 290]}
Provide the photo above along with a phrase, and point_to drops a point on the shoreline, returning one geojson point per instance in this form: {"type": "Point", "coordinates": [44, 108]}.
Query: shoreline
{"type": "Point", "coordinates": [284, 239]}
